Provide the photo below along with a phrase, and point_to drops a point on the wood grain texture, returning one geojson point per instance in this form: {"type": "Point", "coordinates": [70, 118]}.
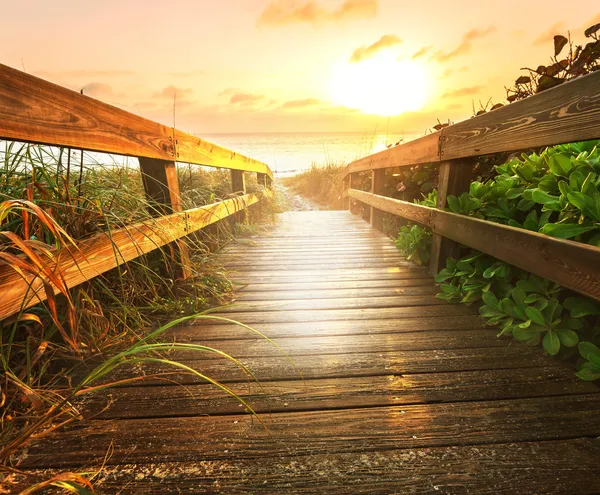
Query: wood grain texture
{"type": "Point", "coordinates": [410, 211]}
{"type": "Point", "coordinates": [454, 179]}
{"type": "Point", "coordinates": [377, 185]}
{"type": "Point", "coordinates": [570, 264]}
{"type": "Point", "coordinates": [161, 401]}
{"type": "Point", "coordinates": [320, 432]}
{"type": "Point", "coordinates": [567, 113]}
{"type": "Point", "coordinates": [38, 111]}
{"type": "Point", "coordinates": [105, 251]}
{"type": "Point", "coordinates": [314, 345]}
{"type": "Point", "coordinates": [399, 395]}
{"type": "Point", "coordinates": [422, 150]}
{"type": "Point", "coordinates": [554, 467]}
{"type": "Point", "coordinates": [346, 365]}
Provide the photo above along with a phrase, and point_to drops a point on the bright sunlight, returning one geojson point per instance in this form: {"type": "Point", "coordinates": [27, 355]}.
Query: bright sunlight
{"type": "Point", "coordinates": [381, 85]}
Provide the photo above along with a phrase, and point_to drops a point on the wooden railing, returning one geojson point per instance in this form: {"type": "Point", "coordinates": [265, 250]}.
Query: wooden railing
{"type": "Point", "coordinates": [567, 113]}
{"type": "Point", "coordinates": [37, 111]}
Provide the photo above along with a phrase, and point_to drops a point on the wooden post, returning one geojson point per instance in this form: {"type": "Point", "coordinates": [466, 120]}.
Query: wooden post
{"type": "Point", "coordinates": [261, 179]}
{"type": "Point", "coordinates": [455, 177]}
{"type": "Point", "coordinates": [238, 186]}
{"type": "Point", "coordinates": [377, 185]}
{"type": "Point", "coordinates": [162, 188]}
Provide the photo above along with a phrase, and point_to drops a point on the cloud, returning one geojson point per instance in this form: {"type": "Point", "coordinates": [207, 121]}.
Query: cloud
{"type": "Point", "coordinates": [422, 52]}
{"type": "Point", "coordinates": [465, 46]}
{"type": "Point", "coordinates": [245, 99]}
{"type": "Point", "coordinates": [548, 35]}
{"type": "Point", "coordinates": [99, 90]}
{"type": "Point", "coordinates": [307, 102]}
{"type": "Point", "coordinates": [171, 92]}
{"type": "Point", "coordinates": [282, 12]}
{"type": "Point", "coordinates": [85, 74]}
{"type": "Point", "coordinates": [367, 51]}
{"type": "Point", "coordinates": [472, 90]}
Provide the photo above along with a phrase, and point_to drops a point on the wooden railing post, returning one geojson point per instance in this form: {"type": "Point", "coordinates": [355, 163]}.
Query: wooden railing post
{"type": "Point", "coordinates": [238, 186]}
{"type": "Point", "coordinates": [162, 188]}
{"type": "Point", "coordinates": [454, 179]}
{"type": "Point", "coordinates": [377, 185]}
{"type": "Point", "coordinates": [261, 179]}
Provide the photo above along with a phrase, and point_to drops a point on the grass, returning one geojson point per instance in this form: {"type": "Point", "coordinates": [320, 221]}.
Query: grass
{"type": "Point", "coordinates": [49, 199]}
{"type": "Point", "coordinates": [322, 184]}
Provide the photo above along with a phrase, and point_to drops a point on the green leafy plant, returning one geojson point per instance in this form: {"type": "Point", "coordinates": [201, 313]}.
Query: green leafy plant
{"type": "Point", "coordinates": [414, 243]}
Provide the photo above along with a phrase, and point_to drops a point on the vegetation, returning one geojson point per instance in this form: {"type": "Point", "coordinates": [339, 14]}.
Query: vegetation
{"type": "Point", "coordinates": [556, 193]}
{"type": "Point", "coordinates": [322, 184]}
{"type": "Point", "coordinates": [47, 204]}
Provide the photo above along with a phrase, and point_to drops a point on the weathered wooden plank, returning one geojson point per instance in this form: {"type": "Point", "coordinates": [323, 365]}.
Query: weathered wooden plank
{"type": "Point", "coordinates": [207, 331]}
{"type": "Point", "coordinates": [347, 365]}
{"type": "Point", "coordinates": [410, 211]}
{"type": "Point", "coordinates": [558, 467]}
{"type": "Point", "coordinates": [282, 266]}
{"type": "Point", "coordinates": [191, 149]}
{"type": "Point", "coordinates": [289, 293]}
{"type": "Point", "coordinates": [377, 186]}
{"type": "Point", "coordinates": [421, 150]}
{"type": "Point", "coordinates": [339, 393]}
{"type": "Point", "coordinates": [335, 285]}
{"type": "Point", "coordinates": [350, 344]}
{"type": "Point", "coordinates": [320, 432]}
{"type": "Point", "coordinates": [567, 113]}
{"type": "Point", "coordinates": [390, 273]}
{"type": "Point", "coordinates": [162, 189]}
{"type": "Point", "coordinates": [350, 314]}
{"type": "Point", "coordinates": [454, 179]}
{"type": "Point", "coordinates": [570, 264]}
{"type": "Point", "coordinates": [105, 251]}
{"type": "Point", "coordinates": [394, 301]}
{"type": "Point", "coordinates": [38, 111]}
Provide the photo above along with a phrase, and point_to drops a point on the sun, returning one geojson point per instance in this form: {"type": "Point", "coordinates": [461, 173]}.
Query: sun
{"type": "Point", "coordinates": [381, 85]}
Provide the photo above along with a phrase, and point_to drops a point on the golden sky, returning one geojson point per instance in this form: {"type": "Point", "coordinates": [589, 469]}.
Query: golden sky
{"type": "Point", "coordinates": [289, 65]}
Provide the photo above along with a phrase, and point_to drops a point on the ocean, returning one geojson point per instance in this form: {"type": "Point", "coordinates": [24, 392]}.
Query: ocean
{"type": "Point", "coordinates": [290, 153]}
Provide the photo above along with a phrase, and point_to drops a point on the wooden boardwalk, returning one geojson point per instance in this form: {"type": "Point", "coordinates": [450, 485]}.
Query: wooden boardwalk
{"type": "Point", "coordinates": [402, 393]}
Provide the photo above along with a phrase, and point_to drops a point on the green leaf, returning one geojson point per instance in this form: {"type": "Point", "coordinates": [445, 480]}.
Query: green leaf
{"type": "Point", "coordinates": [490, 299]}
{"type": "Point", "coordinates": [525, 333]}
{"type": "Point", "coordinates": [566, 230]}
{"type": "Point", "coordinates": [560, 164]}
{"type": "Point", "coordinates": [535, 315]}
{"type": "Point", "coordinates": [581, 307]}
{"type": "Point", "coordinates": [551, 343]}
{"type": "Point", "coordinates": [454, 204]}
{"type": "Point", "coordinates": [589, 372]}
{"type": "Point", "coordinates": [568, 338]}
{"type": "Point", "coordinates": [587, 348]}
{"type": "Point", "coordinates": [543, 197]}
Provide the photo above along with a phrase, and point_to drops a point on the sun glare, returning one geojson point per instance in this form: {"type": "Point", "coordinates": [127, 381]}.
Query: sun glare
{"type": "Point", "coordinates": [381, 85]}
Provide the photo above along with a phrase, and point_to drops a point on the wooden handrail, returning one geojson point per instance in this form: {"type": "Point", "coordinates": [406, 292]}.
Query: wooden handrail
{"type": "Point", "coordinates": [38, 111]}
{"type": "Point", "coordinates": [571, 264]}
{"type": "Point", "coordinates": [567, 113]}
{"type": "Point", "coordinates": [107, 250]}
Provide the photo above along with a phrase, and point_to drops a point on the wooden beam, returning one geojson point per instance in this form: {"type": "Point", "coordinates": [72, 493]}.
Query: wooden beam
{"type": "Point", "coordinates": [377, 185]}
{"type": "Point", "coordinates": [37, 111]}
{"type": "Point", "coordinates": [238, 186]}
{"type": "Point", "coordinates": [162, 189]}
{"type": "Point", "coordinates": [567, 113]}
{"type": "Point", "coordinates": [410, 211]}
{"type": "Point", "coordinates": [454, 179]}
{"type": "Point", "coordinates": [422, 150]}
{"type": "Point", "coordinates": [105, 251]}
{"type": "Point", "coordinates": [571, 264]}
{"type": "Point", "coordinates": [564, 114]}
{"type": "Point", "coordinates": [191, 149]}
